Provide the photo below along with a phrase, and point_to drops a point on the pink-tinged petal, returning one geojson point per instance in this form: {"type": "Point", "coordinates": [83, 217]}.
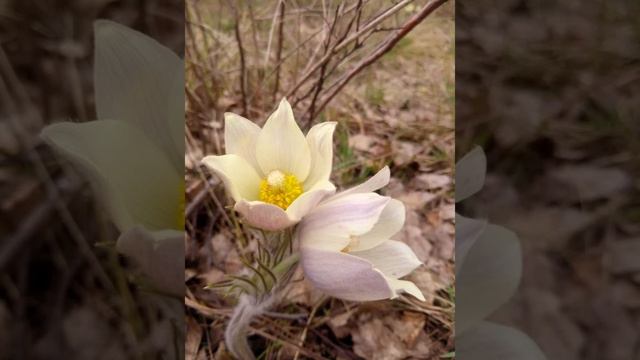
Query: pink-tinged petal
{"type": "Point", "coordinates": [333, 224]}
{"type": "Point", "coordinates": [282, 146]}
{"type": "Point", "coordinates": [320, 139]}
{"type": "Point", "coordinates": [240, 137]}
{"type": "Point", "coordinates": [308, 200]}
{"type": "Point", "coordinates": [390, 223]}
{"type": "Point", "coordinates": [394, 258]}
{"type": "Point", "coordinates": [377, 181]}
{"type": "Point", "coordinates": [404, 286]}
{"type": "Point", "coordinates": [344, 276]}
{"type": "Point", "coordinates": [263, 215]}
{"type": "Point", "coordinates": [159, 255]}
{"type": "Point", "coordinates": [239, 177]}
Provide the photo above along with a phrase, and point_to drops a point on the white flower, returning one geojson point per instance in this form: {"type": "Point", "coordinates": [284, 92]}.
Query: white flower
{"type": "Point", "coordinates": [345, 247]}
{"type": "Point", "coordinates": [275, 175]}
{"type": "Point", "coordinates": [134, 155]}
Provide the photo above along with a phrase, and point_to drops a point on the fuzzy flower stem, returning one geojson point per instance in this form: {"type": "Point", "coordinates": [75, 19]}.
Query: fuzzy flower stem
{"type": "Point", "coordinates": [249, 307]}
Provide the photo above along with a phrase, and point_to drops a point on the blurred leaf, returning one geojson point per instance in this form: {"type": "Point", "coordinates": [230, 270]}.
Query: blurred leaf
{"type": "Point", "coordinates": [470, 173]}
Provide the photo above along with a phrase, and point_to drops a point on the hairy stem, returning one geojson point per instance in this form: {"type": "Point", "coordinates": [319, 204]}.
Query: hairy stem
{"type": "Point", "coordinates": [250, 306]}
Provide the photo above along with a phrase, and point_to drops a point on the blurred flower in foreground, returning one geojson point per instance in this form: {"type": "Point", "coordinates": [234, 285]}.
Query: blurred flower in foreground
{"type": "Point", "coordinates": [134, 155]}
{"type": "Point", "coordinates": [488, 270]}
{"type": "Point", "coordinates": [345, 246]}
{"type": "Point", "coordinates": [274, 174]}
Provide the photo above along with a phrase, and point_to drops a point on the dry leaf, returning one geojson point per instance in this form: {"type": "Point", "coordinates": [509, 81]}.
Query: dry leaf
{"type": "Point", "coordinates": [622, 256]}
{"type": "Point", "coordinates": [192, 340]}
{"type": "Point", "coordinates": [579, 183]}
{"type": "Point", "coordinates": [390, 337]}
{"type": "Point", "coordinates": [362, 142]}
{"type": "Point", "coordinates": [416, 200]}
{"type": "Point", "coordinates": [404, 152]}
{"type": "Point", "coordinates": [432, 181]}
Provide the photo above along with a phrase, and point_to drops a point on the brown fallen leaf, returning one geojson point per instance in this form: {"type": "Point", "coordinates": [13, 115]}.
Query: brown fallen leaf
{"type": "Point", "coordinates": [192, 339]}
{"type": "Point", "coordinates": [405, 151]}
{"type": "Point", "coordinates": [432, 181]}
{"type": "Point", "coordinates": [416, 200]}
{"type": "Point", "coordinates": [577, 183]}
{"type": "Point", "coordinates": [622, 256]}
{"type": "Point", "coordinates": [391, 337]}
{"type": "Point", "coordinates": [362, 142]}
{"type": "Point", "coordinates": [338, 324]}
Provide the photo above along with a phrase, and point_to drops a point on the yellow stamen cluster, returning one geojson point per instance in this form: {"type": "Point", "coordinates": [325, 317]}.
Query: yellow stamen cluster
{"type": "Point", "coordinates": [280, 189]}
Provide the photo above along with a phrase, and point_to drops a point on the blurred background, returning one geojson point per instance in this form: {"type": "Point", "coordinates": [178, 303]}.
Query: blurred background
{"type": "Point", "coordinates": [64, 292]}
{"type": "Point", "coordinates": [551, 91]}
{"type": "Point", "coordinates": [384, 71]}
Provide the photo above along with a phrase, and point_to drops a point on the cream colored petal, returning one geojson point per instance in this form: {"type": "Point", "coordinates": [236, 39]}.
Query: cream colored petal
{"type": "Point", "coordinates": [264, 216]}
{"type": "Point", "coordinates": [488, 277]}
{"type": "Point", "coordinates": [238, 175]}
{"type": "Point", "coordinates": [308, 200]}
{"type": "Point", "coordinates": [159, 255]}
{"type": "Point", "coordinates": [282, 146]}
{"type": "Point", "coordinates": [489, 341]}
{"type": "Point", "coordinates": [320, 139]}
{"type": "Point", "coordinates": [377, 181]}
{"type": "Point", "coordinates": [135, 81]}
{"type": "Point", "coordinates": [394, 258]}
{"type": "Point", "coordinates": [240, 138]}
{"type": "Point", "coordinates": [331, 225]}
{"type": "Point", "coordinates": [344, 276]}
{"type": "Point", "coordinates": [390, 223]}
{"type": "Point", "coordinates": [135, 178]}
{"type": "Point", "coordinates": [404, 286]}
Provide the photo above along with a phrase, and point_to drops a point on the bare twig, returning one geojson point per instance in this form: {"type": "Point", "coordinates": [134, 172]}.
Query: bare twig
{"type": "Point", "coordinates": [276, 87]}
{"type": "Point", "coordinates": [385, 47]}
{"type": "Point", "coordinates": [243, 84]}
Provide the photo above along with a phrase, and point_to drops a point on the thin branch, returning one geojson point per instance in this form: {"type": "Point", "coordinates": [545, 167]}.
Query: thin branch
{"type": "Point", "coordinates": [243, 85]}
{"type": "Point", "coordinates": [279, 49]}
{"type": "Point", "coordinates": [386, 46]}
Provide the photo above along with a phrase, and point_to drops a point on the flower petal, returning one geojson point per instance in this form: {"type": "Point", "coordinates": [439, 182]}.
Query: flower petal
{"type": "Point", "coordinates": [138, 182]}
{"type": "Point", "coordinates": [308, 200]}
{"type": "Point", "coordinates": [238, 175]}
{"type": "Point", "coordinates": [160, 256]}
{"type": "Point", "coordinates": [282, 146]}
{"type": "Point", "coordinates": [404, 286]}
{"type": "Point", "coordinates": [489, 341]}
{"type": "Point", "coordinates": [240, 137]}
{"type": "Point", "coordinates": [377, 181]}
{"type": "Point", "coordinates": [390, 223]}
{"type": "Point", "coordinates": [470, 173]}
{"type": "Point", "coordinates": [264, 216]}
{"type": "Point", "coordinates": [394, 258]}
{"type": "Point", "coordinates": [344, 276]}
{"type": "Point", "coordinates": [332, 224]}
{"type": "Point", "coordinates": [468, 230]}
{"type": "Point", "coordinates": [135, 81]}
{"type": "Point", "coordinates": [320, 139]}
{"type": "Point", "coordinates": [488, 277]}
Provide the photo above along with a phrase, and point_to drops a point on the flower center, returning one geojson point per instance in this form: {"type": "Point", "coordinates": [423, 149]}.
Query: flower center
{"type": "Point", "coordinates": [353, 243]}
{"type": "Point", "coordinates": [280, 189]}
